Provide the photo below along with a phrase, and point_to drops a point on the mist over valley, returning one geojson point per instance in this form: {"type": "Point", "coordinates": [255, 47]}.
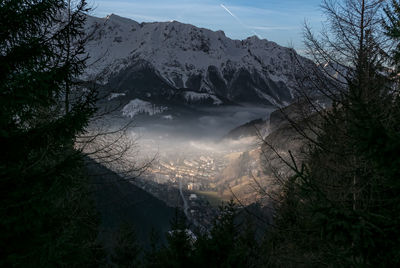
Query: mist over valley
{"type": "Point", "coordinates": [200, 104]}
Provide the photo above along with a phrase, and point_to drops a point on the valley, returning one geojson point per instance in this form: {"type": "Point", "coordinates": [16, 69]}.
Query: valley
{"type": "Point", "coordinates": [195, 166]}
{"type": "Point", "coordinates": [196, 98]}
{"type": "Point", "coordinates": [194, 133]}
{"type": "Point", "coordinates": [201, 102]}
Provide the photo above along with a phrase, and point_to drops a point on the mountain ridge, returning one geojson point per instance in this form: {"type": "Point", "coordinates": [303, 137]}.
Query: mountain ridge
{"type": "Point", "coordinates": [162, 60]}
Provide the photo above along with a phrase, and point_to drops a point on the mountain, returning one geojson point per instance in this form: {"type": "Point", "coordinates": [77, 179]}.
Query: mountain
{"type": "Point", "coordinates": [249, 129]}
{"type": "Point", "coordinates": [120, 201]}
{"type": "Point", "coordinates": [173, 62]}
{"type": "Point", "coordinates": [257, 174]}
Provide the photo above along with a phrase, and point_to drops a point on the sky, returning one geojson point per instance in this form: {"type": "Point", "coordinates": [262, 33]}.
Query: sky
{"type": "Point", "coordinates": [280, 21]}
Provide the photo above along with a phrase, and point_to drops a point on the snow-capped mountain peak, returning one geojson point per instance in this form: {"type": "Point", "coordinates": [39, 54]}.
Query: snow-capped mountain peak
{"type": "Point", "coordinates": [181, 57]}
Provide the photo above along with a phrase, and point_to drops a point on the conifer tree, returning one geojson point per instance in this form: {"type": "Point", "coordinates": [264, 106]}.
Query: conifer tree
{"type": "Point", "coordinates": [392, 27]}
{"type": "Point", "coordinates": [230, 242]}
{"type": "Point", "coordinates": [179, 243]}
{"type": "Point", "coordinates": [126, 249]}
{"type": "Point", "coordinates": [46, 216]}
{"type": "Point", "coordinates": [179, 248]}
{"type": "Point", "coordinates": [341, 206]}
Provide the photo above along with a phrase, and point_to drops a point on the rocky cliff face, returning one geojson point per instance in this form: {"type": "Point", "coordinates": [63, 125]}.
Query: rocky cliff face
{"type": "Point", "coordinates": [172, 61]}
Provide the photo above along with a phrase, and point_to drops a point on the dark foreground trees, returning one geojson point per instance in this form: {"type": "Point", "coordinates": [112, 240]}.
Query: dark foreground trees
{"type": "Point", "coordinates": [231, 242]}
{"type": "Point", "coordinates": [392, 27]}
{"type": "Point", "coordinates": [341, 207]}
{"type": "Point", "coordinates": [46, 216]}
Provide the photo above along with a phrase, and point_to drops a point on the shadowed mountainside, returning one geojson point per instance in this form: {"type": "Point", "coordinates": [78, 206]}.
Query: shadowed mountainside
{"type": "Point", "coordinates": [119, 201]}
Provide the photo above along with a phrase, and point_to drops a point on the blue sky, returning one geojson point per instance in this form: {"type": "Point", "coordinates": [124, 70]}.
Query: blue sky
{"type": "Point", "coordinates": [280, 21]}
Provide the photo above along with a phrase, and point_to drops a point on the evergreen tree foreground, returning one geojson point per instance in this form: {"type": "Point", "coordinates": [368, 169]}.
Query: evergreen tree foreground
{"type": "Point", "coordinates": [46, 215]}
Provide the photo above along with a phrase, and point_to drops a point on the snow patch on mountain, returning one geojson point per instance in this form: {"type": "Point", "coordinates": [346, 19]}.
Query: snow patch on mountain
{"type": "Point", "coordinates": [336, 71]}
{"type": "Point", "coordinates": [115, 95]}
{"type": "Point", "coordinates": [168, 117]}
{"type": "Point", "coordinates": [192, 96]}
{"type": "Point", "coordinates": [138, 106]}
{"type": "Point", "coordinates": [182, 55]}
{"type": "Point", "coordinates": [265, 96]}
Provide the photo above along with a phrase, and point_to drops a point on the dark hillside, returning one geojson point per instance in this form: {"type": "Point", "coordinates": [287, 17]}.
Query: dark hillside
{"type": "Point", "coordinates": [119, 201]}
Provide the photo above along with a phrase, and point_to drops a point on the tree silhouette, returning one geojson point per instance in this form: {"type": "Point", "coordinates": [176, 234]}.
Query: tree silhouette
{"type": "Point", "coordinates": [47, 217]}
{"type": "Point", "coordinates": [339, 207]}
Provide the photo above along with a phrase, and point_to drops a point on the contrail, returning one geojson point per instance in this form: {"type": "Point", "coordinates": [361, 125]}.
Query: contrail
{"type": "Point", "coordinates": [238, 20]}
{"type": "Point", "coordinates": [233, 15]}
{"type": "Point", "coordinates": [224, 7]}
